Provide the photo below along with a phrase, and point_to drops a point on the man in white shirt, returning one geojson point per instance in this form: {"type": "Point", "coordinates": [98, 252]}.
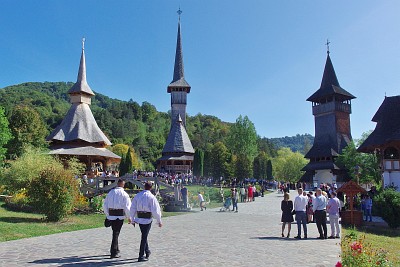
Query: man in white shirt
{"type": "Point", "coordinates": [319, 208]}
{"type": "Point", "coordinates": [116, 206]}
{"type": "Point", "coordinates": [144, 208]}
{"type": "Point", "coordinates": [300, 206]}
{"type": "Point", "coordinates": [202, 203]}
{"type": "Point", "coordinates": [333, 210]}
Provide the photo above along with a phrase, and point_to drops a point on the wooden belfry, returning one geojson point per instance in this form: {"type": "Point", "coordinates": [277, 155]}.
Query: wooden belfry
{"type": "Point", "coordinates": [331, 107]}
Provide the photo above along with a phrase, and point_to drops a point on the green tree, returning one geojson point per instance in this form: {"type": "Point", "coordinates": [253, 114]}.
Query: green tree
{"type": "Point", "coordinates": [368, 164]}
{"type": "Point", "coordinates": [288, 165]}
{"type": "Point", "coordinates": [122, 166]}
{"type": "Point", "coordinates": [220, 159]}
{"type": "Point", "coordinates": [27, 128]}
{"type": "Point", "coordinates": [260, 165]}
{"type": "Point", "coordinates": [198, 163]}
{"type": "Point", "coordinates": [5, 134]}
{"type": "Point", "coordinates": [128, 161]}
{"type": "Point", "coordinates": [243, 167]}
{"type": "Point", "coordinates": [269, 170]}
{"type": "Point", "coordinates": [242, 139]}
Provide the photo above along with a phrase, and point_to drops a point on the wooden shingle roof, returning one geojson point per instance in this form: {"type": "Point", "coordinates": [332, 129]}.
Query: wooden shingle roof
{"type": "Point", "coordinates": [178, 140]}
{"type": "Point", "coordinates": [329, 85]}
{"type": "Point", "coordinates": [388, 125]}
{"type": "Point", "coordinates": [178, 80]}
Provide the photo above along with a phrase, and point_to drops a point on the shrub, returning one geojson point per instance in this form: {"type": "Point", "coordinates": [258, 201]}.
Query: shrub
{"type": "Point", "coordinates": [358, 253]}
{"type": "Point", "coordinates": [97, 202]}
{"type": "Point", "coordinates": [81, 204]}
{"type": "Point", "coordinates": [19, 202]}
{"type": "Point", "coordinates": [388, 205]}
{"type": "Point", "coordinates": [53, 192]}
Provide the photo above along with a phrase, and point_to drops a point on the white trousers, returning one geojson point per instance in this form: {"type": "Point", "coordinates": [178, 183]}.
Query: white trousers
{"type": "Point", "coordinates": [335, 228]}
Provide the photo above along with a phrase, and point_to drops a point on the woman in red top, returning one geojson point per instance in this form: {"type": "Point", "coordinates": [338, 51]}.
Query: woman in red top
{"type": "Point", "coordinates": [250, 193]}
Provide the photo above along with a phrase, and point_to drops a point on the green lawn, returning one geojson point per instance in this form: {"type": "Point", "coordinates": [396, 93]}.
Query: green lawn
{"type": "Point", "coordinates": [381, 237]}
{"type": "Point", "coordinates": [17, 225]}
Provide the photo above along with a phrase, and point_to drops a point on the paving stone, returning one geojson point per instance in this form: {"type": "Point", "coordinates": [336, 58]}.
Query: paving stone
{"type": "Point", "coordinates": [250, 237]}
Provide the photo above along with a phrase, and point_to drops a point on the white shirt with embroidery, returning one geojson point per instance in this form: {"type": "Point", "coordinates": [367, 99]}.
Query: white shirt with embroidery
{"type": "Point", "coordinates": [145, 201]}
{"type": "Point", "coordinates": [117, 198]}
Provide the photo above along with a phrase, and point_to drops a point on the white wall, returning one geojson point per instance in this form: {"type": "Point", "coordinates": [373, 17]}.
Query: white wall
{"type": "Point", "coordinates": [324, 177]}
{"type": "Point", "coordinates": [391, 177]}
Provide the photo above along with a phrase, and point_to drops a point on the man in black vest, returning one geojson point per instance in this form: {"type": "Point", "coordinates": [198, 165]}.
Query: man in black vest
{"type": "Point", "coordinates": [116, 207]}
{"type": "Point", "coordinates": [144, 207]}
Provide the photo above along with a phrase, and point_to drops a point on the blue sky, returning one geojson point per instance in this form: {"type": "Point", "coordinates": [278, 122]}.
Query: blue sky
{"type": "Point", "coordinates": [257, 58]}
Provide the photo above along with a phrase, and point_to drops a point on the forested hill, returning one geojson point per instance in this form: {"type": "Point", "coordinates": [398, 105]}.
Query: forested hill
{"type": "Point", "coordinates": [301, 142]}
{"type": "Point", "coordinates": [128, 122]}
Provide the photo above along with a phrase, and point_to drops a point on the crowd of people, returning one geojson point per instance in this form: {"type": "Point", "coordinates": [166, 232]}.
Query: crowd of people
{"type": "Point", "coordinates": [316, 208]}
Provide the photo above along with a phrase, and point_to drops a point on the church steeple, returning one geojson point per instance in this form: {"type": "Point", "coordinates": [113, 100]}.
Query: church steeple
{"type": "Point", "coordinates": [178, 88]}
{"type": "Point", "coordinates": [179, 73]}
{"type": "Point", "coordinates": [81, 86]}
{"type": "Point", "coordinates": [329, 85]}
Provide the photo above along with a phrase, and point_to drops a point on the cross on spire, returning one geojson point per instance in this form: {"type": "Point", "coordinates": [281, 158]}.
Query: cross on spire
{"type": "Point", "coordinates": [327, 46]}
{"type": "Point", "coordinates": [83, 43]}
{"type": "Point", "coordinates": [179, 13]}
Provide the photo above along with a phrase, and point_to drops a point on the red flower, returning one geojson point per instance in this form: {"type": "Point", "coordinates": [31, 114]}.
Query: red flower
{"type": "Point", "coordinates": [357, 246]}
{"type": "Point", "coordinates": [338, 264]}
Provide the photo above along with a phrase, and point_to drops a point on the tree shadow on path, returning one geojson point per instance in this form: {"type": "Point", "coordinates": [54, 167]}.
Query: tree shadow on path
{"type": "Point", "coordinates": [97, 260]}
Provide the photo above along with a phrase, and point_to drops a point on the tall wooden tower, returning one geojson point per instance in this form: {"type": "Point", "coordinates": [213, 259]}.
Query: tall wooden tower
{"type": "Point", "coordinates": [178, 88]}
{"type": "Point", "coordinates": [178, 152]}
{"type": "Point", "coordinates": [331, 107]}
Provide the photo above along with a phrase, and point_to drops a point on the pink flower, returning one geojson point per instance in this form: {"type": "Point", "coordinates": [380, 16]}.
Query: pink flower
{"type": "Point", "coordinates": [338, 264]}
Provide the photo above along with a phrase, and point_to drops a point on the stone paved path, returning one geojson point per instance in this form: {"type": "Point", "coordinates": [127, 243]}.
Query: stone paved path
{"type": "Point", "coordinates": [250, 237]}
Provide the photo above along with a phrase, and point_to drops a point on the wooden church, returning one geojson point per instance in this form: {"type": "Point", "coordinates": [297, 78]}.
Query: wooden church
{"type": "Point", "coordinates": [78, 135]}
{"type": "Point", "coordinates": [331, 107]}
{"type": "Point", "coordinates": [178, 153]}
{"type": "Point", "coordinates": [384, 141]}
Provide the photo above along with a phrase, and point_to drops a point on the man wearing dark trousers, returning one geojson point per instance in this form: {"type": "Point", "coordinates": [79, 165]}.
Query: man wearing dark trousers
{"type": "Point", "coordinates": [116, 207]}
{"type": "Point", "coordinates": [319, 208]}
{"type": "Point", "coordinates": [144, 207]}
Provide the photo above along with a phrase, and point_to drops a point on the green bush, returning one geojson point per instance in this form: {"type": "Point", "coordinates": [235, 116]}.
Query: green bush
{"type": "Point", "coordinates": [97, 202]}
{"type": "Point", "coordinates": [53, 192]}
{"type": "Point", "coordinates": [388, 205]}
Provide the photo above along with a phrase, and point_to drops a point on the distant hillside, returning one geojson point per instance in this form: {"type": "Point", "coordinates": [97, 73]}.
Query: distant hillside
{"type": "Point", "coordinates": [129, 122]}
{"type": "Point", "coordinates": [301, 142]}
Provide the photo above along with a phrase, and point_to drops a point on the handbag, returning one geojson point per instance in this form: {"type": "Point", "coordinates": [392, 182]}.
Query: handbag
{"type": "Point", "coordinates": [107, 222]}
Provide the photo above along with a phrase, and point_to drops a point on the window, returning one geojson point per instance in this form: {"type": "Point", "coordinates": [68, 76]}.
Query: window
{"type": "Point", "coordinates": [391, 153]}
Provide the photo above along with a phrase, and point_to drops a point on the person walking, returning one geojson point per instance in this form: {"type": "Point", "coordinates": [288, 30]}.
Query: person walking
{"type": "Point", "coordinates": [333, 209]}
{"type": "Point", "coordinates": [145, 207]}
{"type": "Point", "coordinates": [116, 207]}
{"type": "Point", "coordinates": [319, 209]}
{"type": "Point", "coordinates": [184, 194]}
{"type": "Point", "coordinates": [300, 206]}
{"type": "Point", "coordinates": [242, 194]}
{"type": "Point", "coordinates": [287, 216]}
{"type": "Point", "coordinates": [250, 193]}
{"type": "Point", "coordinates": [202, 203]}
{"type": "Point", "coordinates": [235, 199]}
